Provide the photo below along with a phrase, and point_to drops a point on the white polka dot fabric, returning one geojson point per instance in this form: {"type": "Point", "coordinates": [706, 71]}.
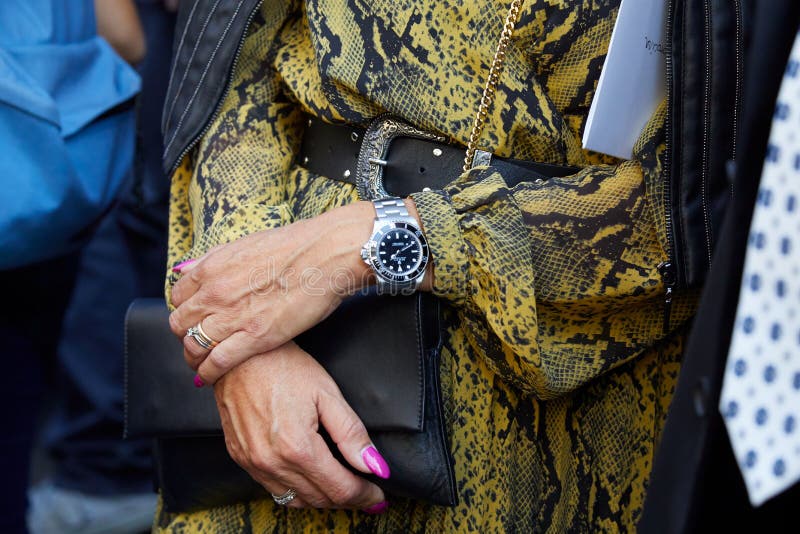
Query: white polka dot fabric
{"type": "Point", "coordinates": [761, 390]}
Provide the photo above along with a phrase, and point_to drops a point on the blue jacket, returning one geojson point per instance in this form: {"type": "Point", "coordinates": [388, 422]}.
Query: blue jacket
{"type": "Point", "coordinates": [66, 143]}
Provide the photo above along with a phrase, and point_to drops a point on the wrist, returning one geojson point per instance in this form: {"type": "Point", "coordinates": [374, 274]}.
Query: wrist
{"type": "Point", "coordinates": [347, 228]}
{"type": "Point", "coordinates": [427, 281]}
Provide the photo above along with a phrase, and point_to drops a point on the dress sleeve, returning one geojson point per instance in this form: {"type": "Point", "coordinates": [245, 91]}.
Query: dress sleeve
{"type": "Point", "coordinates": [235, 182]}
{"type": "Point", "coordinates": [556, 282]}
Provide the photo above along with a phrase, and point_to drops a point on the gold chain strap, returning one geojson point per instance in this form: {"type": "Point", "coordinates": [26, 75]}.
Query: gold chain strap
{"type": "Point", "coordinates": [491, 82]}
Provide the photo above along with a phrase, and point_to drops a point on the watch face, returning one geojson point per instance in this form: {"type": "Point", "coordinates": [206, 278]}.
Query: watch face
{"type": "Point", "coordinates": [401, 252]}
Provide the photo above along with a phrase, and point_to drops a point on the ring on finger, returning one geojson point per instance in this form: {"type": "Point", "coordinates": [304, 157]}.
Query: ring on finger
{"type": "Point", "coordinates": [284, 499]}
{"type": "Point", "coordinates": [201, 338]}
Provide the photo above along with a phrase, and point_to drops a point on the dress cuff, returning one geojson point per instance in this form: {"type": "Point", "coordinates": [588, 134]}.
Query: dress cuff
{"type": "Point", "coordinates": [448, 249]}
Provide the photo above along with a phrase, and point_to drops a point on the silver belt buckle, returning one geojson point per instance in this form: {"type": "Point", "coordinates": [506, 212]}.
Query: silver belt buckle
{"type": "Point", "coordinates": [374, 147]}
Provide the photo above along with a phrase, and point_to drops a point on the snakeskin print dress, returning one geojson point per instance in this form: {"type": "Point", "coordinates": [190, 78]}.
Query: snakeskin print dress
{"type": "Point", "coordinates": [557, 370]}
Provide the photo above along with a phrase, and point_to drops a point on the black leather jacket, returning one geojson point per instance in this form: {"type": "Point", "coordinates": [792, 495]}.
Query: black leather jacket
{"type": "Point", "coordinates": [704, 76]}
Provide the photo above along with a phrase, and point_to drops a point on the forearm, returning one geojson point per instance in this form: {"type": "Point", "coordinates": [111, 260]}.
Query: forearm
{"type": "Point", "coordinates": [556, 283]}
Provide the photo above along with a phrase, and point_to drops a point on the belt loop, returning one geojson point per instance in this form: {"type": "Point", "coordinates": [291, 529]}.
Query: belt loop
{"type": "Point", "coordinates": [481, 158]}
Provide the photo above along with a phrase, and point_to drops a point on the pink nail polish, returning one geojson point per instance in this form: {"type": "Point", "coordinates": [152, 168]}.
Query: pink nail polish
{"type": "Point", "coordinates": [375, 462]}
{"type": "Point", "coordinates": [198, 382]}
{"type": "Point", "coordinates": [181, 265]}
{"type": "Point", "coordinates": [379, 508]}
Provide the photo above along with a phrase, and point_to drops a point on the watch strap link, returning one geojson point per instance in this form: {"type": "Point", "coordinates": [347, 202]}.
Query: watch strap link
{"type": "Point", "coordinates": [388, 208]}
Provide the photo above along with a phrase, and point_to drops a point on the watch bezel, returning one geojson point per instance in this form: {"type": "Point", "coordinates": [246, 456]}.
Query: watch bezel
{"type": "Point", "coordinates": [401, 280]}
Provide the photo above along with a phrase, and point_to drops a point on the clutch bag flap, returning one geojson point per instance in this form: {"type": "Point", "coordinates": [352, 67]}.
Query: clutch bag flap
{"type": "Point", "coordinates": [371, 346]}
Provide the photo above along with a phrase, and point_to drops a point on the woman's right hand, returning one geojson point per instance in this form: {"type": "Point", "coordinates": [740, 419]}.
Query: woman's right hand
{"type": "Point", "coordinates": [271, 408]}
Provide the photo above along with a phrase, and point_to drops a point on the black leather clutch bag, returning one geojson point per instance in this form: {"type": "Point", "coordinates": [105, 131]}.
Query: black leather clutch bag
{"type": "Point", "coordinates": [382, 351]}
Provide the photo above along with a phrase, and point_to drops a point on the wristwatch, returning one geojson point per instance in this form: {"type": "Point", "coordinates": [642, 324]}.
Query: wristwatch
{"type": "Point", "coordinates": [397, 252]}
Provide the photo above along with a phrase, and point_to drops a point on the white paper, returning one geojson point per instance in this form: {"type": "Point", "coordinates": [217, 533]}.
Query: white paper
{"type": "Point", "coordinates": [633, 80]}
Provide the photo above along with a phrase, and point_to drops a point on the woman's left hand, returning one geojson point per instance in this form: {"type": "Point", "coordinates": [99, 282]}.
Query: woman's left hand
{"type": "Point", "coordinates": [272, 409]}
{"type": "Point", "coordinates": [259, 292]}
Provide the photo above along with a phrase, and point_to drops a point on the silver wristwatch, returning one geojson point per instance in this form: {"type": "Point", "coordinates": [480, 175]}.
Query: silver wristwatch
{"type": "Point", "coordinates": [397, 251]}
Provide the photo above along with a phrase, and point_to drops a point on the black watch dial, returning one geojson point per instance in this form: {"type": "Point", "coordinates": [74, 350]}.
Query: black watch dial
{"type": "Point", "coordinates": [401, 252]}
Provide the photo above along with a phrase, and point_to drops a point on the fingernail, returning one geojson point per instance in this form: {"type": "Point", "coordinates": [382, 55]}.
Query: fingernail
{"type": "Point", "coordinates": [198, 382]}
{"type": "Point", "coordinates": [379, 508]}
{"type": "Point", "coordinates": [375, 462]}
{"type": "Point", "coordinates": [181, 265]}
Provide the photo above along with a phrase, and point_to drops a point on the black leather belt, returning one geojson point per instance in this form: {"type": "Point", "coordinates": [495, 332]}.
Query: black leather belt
{"type": "Point", "coordinates": [394, 158]}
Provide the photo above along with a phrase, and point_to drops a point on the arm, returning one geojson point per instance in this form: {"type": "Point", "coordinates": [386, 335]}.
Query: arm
{"type": "Point", "coordinates": [557, 282]}
{"type": "Point", "coordinates": [235, 190]}
{"type": "Point", "coordinates": [118, 22]}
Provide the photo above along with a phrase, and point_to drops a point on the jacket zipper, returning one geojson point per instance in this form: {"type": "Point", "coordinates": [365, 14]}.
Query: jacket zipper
{"type": "Point", "coordinates": [221, 101]}
{"type": "Point", "coordinates": [668, 276]}
{"type": "Point", "coordinates": [667, 268]}
{"type": "Point", "coordinates": [738, 89]}
{"type": "Point", "coordinates": [706, 129]}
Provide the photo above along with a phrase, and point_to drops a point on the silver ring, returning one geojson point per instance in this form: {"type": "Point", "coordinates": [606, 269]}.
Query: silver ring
{"type": "Point", "coordinates": [201, 338]}
{"type": "Point", "coordinates": [284, 499]}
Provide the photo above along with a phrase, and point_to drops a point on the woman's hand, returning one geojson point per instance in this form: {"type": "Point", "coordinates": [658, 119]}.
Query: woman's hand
{"type": "Point", "coordinates": [271, 409]}
{"type": "Point", "coordinates": [259, 292]}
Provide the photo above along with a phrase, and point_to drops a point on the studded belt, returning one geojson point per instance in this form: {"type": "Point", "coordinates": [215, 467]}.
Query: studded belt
{"type": "Point", "coordinates": [394, 158]}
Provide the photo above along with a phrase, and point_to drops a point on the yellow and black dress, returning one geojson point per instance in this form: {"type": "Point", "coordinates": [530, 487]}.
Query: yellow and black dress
{"type": "Point", "coordinates": [556, 369]}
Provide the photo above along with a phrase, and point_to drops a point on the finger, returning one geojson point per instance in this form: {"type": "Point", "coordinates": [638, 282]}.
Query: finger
{"type": "Point", "coordinates": [268, 468]}
{"type": "Point", "coordinates": [350, 435]}
{"type": "Point", "coordinates": [193, 352]}
{"type": "Point", "coordinates": [303, 462]}
{"type": "Point", "coordinates": [185, 316]}
{"type": "Point", "coordinates": [233, 350]}
{"type": "Point", "coordinates": [297, 502]}
{"type": "Point", "coordinates": [276, 476]}
{"type": "Point", "coordinates": [191, 278]}
{"type": "Point", "coordinates": [182, 265]}
{"type": "Point", "coordinates": [216, 327]}
{"type": "Point", "coordinates": [279, 473]}
{"type": "Point", "coordinates": [187, 266]}
{"type": "Point", "coordinates": [308, 495]}
{"type": "Point", "coordinates": [343, 488]}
